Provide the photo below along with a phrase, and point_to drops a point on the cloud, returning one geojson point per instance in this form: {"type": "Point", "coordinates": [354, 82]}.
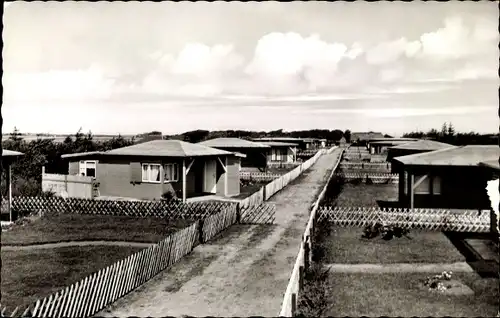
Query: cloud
{"type": "Point", "coordinates": [58, 85]}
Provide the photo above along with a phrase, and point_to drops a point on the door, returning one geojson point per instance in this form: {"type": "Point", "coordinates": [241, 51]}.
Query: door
{"type": "Point", "coordinates": [210, 176]}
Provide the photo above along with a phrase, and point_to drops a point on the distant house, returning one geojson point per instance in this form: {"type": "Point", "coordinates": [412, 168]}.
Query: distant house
{"type": "Point", "coordinates": [380, 145]}
{"type": "Point", "coordinates": [414, 147]}
{"type": "Point", "coordinates": [365, 136]}
{"type": "Point", "coordinates": [342, 142]}
{"type": "Point", "coordinates": [256, 153]}
{"type": "Point", "coordinates": [446, 178]}
{"type": "Point", "coordinates": [149, 170]}
{"type": "Point", "coordinates": [281, 152]}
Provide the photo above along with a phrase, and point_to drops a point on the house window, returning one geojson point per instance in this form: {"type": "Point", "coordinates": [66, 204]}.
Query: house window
{"type": "Point", "coordinates": [424, 186]}
{"type": "Point", "coordinates": [278, 154]}
{"type": "Point", "coordinates": [171, 172]}
{"type": "Point", "coordinates": [151, 172]}
{"type": "Point", "coordinates": [88, 168]}
{"type": "Point", "coordinates": [436, 185]}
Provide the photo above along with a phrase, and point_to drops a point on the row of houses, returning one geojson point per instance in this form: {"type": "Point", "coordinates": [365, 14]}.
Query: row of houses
{"type": "Point", "coordinates": [150, 170]}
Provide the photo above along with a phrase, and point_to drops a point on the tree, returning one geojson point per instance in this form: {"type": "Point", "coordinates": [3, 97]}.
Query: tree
{"type": "Point", "coordinates": [444, 130]}
{"type": "Point", "coordinates": [451, 130]}
{"type": "Point", "coordinates": [347, 136]}
{"type": "Point", "coordinates": [16, 135]}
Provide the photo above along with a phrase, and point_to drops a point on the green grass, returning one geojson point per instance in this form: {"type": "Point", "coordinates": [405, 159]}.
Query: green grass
{"type": "Point", "coordinates": [30, 275]}
{"type": "Point", "coordinates": [248, 190]}
{"type": "Point", "coordinates": [345, 245]}
{"type": "Point", "coordinates": [78, 227]}
{"type": "Point", "coordinates": [356, 295]}
{"type": "Point", "coordinates": [366, 195]}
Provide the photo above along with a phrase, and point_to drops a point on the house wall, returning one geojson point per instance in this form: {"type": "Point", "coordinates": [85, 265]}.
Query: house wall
{"type": "Point", "coordinates": [221, 177]}
{"type": "Point", "coordinates": [233, 176]}
{"type": "Point", "coordinates": [460, 188]}
{"type": "Point", "coordinates": [289, 158]}
{"type": "Point", "coordinates": [115, 178]}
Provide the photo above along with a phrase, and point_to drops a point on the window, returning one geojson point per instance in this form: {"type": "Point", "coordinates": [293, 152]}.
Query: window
{"type": "Point", "coordinates": [171, 172]}
{"type": "Point", "coordinates": [424, 186]}
{"type": "Point", "coordinates": [151, 172]}
{"type": "Point", "coordinates": [436, 185]}
{"type": "Point", "coordinates": [88, 168]}
{"type": "Point", "coordinates": [278, 154]}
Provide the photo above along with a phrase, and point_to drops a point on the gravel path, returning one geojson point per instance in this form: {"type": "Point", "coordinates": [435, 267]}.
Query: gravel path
{"type": "Point", "coordinates": [400, 268]}
{"type": "Point", "coordinates": [245, 272]}
{"type": "Point", "coordinates": [72, 243]}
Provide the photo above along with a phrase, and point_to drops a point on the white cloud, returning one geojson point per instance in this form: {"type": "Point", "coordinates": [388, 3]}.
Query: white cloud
{"type": "Point", "coordinates": [387, 52]}
{"type": "Point", "coordinates": [57, 85]}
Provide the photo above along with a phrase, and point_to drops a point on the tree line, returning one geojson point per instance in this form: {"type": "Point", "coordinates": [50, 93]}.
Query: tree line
{"type": "Point", "coordinates": [449, 135]}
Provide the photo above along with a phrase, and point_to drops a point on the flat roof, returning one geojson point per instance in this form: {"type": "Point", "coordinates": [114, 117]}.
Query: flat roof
{"type": "Point", "coordinates": [232, 143]}
{"type": "Point", "coordinates": [423, 145]}
{"type": "Point", "coordinates": [470, 155]}
{"type": "Point", "coordinates": [279, 144]}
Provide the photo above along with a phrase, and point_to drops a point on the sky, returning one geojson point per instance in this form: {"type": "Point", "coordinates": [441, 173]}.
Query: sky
{"type": "Point", "coordinates": [132, 67]}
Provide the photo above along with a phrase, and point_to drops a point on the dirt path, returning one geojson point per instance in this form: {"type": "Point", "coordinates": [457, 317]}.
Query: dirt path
{"type": "Point", "coordinates": [72, 243]}
{"type": "Point", "coordinates": [245, 272]}
{"type": "Point", "coordinates": [400, 268]}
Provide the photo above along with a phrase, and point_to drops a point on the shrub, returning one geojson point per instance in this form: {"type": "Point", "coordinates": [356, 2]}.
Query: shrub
{"type": "Point", "coordinates": [312, 301]}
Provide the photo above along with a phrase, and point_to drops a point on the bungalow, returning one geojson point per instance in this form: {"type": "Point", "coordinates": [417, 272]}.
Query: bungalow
{"type": "Point", "coordinates": [281, 152]}
{"type": "Point", "coordinates": [363, 137]}
{"type": "Point", "coordinates": [256, 153]}
{"type": "Point", "coordinates": [380, 145]}
{"type": "Point", "coordinates": [446, 178]}
{"type": "Point", "coordinates": [419, 146]}
{"type": "Point", "coordinates": [8, 158]}
{"type": "Point", "coordinates": [151, 169]}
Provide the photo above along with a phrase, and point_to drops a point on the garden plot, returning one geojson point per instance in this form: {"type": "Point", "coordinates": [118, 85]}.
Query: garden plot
{"type": "Point", "coordinates": [42, 255]}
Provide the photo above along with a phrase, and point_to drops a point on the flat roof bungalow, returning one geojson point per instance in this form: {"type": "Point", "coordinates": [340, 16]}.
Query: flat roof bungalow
{"type": "Point", "coordinates": [381, 146]}
{"type": "Point", "coordinates": [256, 153]}
{"type": "Point", "coordinates": [419, 146]}
{"type": "Point", "coordinates": [281, 152]}
{"type": "Point", "coordinates": [149, 170]}
{"type": "Point", "coordinates": [448, 178]}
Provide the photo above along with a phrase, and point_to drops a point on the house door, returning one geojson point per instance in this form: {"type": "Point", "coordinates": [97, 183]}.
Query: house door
{"type": "Point", "coordinates": [210, 176]}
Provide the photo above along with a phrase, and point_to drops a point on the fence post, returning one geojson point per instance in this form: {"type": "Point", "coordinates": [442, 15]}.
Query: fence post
{"type": "Point", "coordinates": [264, 193]}
{"type": "Point", "coordinates": [294, 304]}
{"type": "Point", "coordinates": [200, 231]}
{"type": "Point", "coordinates": [307, 252]}
{"type": "Point", "coordinates": [238, 213]}
{"type": "Point", "coordinates": [301, 277]}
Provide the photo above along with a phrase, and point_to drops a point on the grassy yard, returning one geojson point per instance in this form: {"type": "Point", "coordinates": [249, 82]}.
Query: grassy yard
{"type": "Point", "coordinates": [33, 274]}
{"type": "Point", "coordinates": [345, 245]}
{"type": "Point", "coordinates": [401, 294]}
{"type": "Point", "coordinates": [366, 195]}
{"type": "Point", "coordinates": [249, 189]}
{"type": "Point", "coordinates": [78, 227]}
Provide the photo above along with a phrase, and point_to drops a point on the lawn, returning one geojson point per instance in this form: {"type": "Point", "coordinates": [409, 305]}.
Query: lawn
{"type": "Point", "coordinates": [82, 227]}
{"type": "Point", "coordinates": [33, 274]}
{"type": "Point", "coordinates": [401, 294]}
{"type": "Point", "coordinates": [249, 189]}
{"type": "Point", "coordinates": [366, 195]}
{"type": "Point", "coordinates": [345, 245]}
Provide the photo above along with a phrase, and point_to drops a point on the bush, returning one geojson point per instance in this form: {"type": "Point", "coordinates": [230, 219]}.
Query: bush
{"type": "Point", "coordinates": [312, 301]}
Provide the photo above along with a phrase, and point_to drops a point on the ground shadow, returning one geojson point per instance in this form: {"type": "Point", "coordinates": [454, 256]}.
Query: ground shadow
{"type": "Point", "coordinates": [484, 268]}
{"type": "Point", "coordinates": [388, 204]}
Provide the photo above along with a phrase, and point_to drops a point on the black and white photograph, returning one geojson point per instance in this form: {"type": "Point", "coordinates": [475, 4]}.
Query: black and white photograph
{"type": "Point", "coordinates": [242, 159]}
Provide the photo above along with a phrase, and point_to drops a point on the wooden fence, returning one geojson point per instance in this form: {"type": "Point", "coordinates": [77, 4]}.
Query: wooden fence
{"type": "Point", "coordinates": [159, 208]}
{"type": "Point", "coordinates": [370, 177]}
{"type": "Point", "coordinates": [304, 257]}
{"type": "Point", "coordinates": [259, 176]}
{"type": "Point", "coordinates": [378, 158]}
{"type": "Point", "coordinates": [68, 185]}
{"type": "Point", "coordinates": [427, 219]}
{"type": "Point", "coordinates": [258, 214]}
{"type": "Point", "coordinates": [366, 166]}
{"type": "Point", "coordinates": [284, 165]}
{"type": "Point", "coordinates": [95, 292]}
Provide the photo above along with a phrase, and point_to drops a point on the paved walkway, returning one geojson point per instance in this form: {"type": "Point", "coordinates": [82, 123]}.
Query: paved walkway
{"type": "Point", "coordinates": [243, 273]}
{"type": "Point", "coordinates": [400, 268]}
